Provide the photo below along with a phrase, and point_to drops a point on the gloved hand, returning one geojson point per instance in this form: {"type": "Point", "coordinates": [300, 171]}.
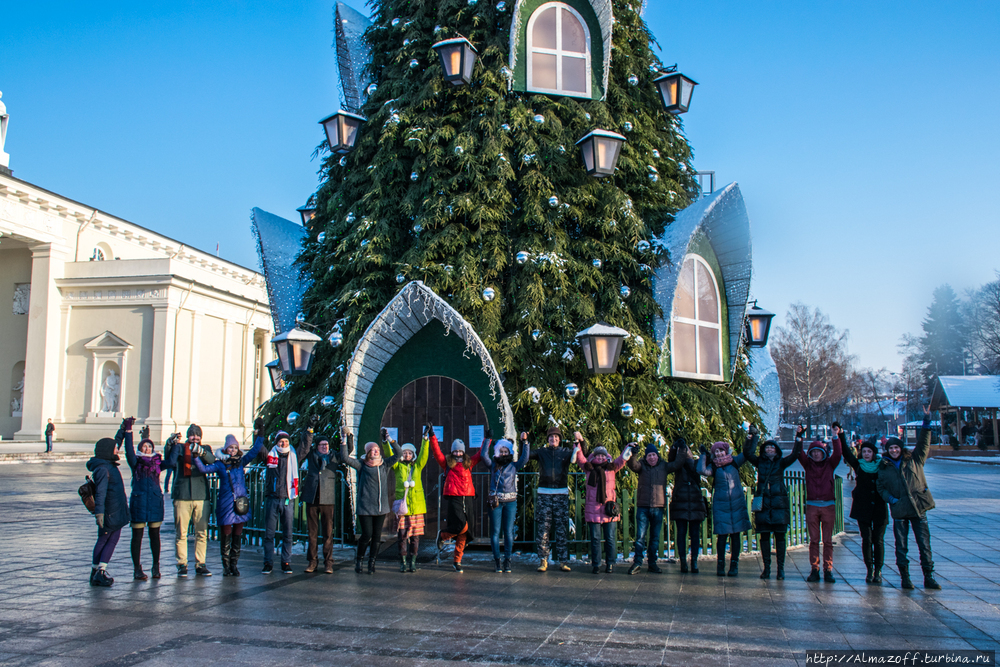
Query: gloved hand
{"type": "Point", "coordinates": [127, 423]}
{"type": "Point", "coordinates": [313, 422]}
{"type": "Point", "coordinates": [196, 450]}
{"type": "Point", "coordinates": [100, 520]}
{"type": "Point", "coordinates": [428, 430]}
{"type": "Point", "coordinates": [629, 450]}
{"type": "Point", "coordinates": [384, 434]}
{"type": "Point", "coordinates": [488, 434]}
{"type": "Point", "coordinates": [753, 430]}
{"type": "Point", "coordinates": [524, 436]}
{"type": "Point", "coordinates": [258, 425]}
{"type": "Point", "coordinates": [704, 449]}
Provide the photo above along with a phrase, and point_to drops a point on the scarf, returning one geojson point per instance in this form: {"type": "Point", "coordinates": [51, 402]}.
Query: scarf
{"type": "Point", "coordinates": [870, 467]}
{"type": "Point", "coordinates": [147, 466]}
{"type": "Point", "coordinates": [291, 470]}
{"type": "Point", "coordinates": [501, 461]}
{"type": "Point", "coordinates": [598, 479]}
{"type": "Point", "coordinates": [720, 461]}
{"type": "Point", "coordinates": [186, 469]}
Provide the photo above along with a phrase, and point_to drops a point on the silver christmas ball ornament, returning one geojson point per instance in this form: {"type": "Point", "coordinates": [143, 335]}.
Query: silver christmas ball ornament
{"type": "Point", "coordinates": [554, 201]}
{"type": "Point", "coordinates": [642, 246]}
{"type": "Point", "coordinates": [292, 418]}
{"type": "Point", "coordinates": [326, 402]}
{"type": "Point", "coordinates": [459, 150]}
{"type": "Point", "coordinates": [572, 391]}
{"type": "Point", "coordinates": [539, 118]}
{"type": "Point", "coordinates": [417, 228]}
{"type": "Point", "coordinates": [414, 176]}
{"type": "Point", "coordinates": [336, 339]}
{"type": "Point", "coordinates": [414, 64]}
{"type": "Point", "coordinates": [343, 160]}
{"type": "Point", "coordinates": [633, 80]}
{"type": "Point", "coordinates": [521, 257]}
{"type": "Point", "coordinates": [501, 6]}
{"type": "Point", "coordinates": [656, 154]}
{"type": "Point", "coordinates": [371, 88]}
{"type": "Point", "coordinates": [300, 318]}
{"type": "Point", "coordinates": [320, 237]}
{"type": "Point", "coordinates": [535, 333]}
{"type": "Point", "coordinates": [625, 291]}
{"type": "Point", "coordinates": [627, 410]}
{"type": "Point", "coordinates": [400, 278]}
{"type": "Point", "coordinates": [395, 22]}
{"type": "Point", "coordinates": [350, 218]}
{"type": "Point", "coordinates": [489, 294]}
{"type": "Point", "coordinates": [597, 263]}
{"type": "Point", "coordinates": [505, 127]}
{"type": "Point", "coordinates": [628, 126]}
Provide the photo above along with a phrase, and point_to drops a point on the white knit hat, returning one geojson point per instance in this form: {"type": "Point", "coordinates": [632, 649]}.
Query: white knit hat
{"type": "Point", "coordinates": [408, 447]}
{"type": "Point", "coordinates": [503, 443]}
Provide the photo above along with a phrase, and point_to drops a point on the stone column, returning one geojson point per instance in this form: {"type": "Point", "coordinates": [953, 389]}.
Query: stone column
{"type": "Point", "coordinates": [161, 382]}
{"type": "Point", "coordinates": [43, 356]}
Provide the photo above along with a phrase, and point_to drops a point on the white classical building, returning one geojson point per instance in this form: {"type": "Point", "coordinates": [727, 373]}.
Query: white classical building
{"type": "Point", "coordinates": [101, 318]}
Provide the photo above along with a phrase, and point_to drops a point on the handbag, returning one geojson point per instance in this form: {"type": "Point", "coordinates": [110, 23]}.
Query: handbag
{"type": "Point", "coordinates": [612, 509]}
{"type": "Point", "coordinates": [241, 504]}
{"type": "Point", "coordinates": [87, 491]}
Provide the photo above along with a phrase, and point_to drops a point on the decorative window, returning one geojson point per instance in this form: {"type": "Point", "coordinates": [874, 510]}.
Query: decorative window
{"type": "Point", "coordinates": [696, 332]}
{"type": "Point", "coordinates": [98, 255]}
{"type": "Point", "coordinates": [558, 51]}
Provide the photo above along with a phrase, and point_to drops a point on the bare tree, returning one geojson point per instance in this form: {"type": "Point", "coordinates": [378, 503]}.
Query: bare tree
{"type": "Point", "coordinates": [814, 368]}
{"type": "Point", "coordinates": [984, 327]}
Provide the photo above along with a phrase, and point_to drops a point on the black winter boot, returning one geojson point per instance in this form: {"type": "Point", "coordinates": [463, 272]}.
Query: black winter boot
{"type": "Point", "coordinates": [694, 560]}
{"type": "Point", "coordinates": [813, 576]}
{"type": "Point", "coordinates": [225, 547]}
{"type": "Point", "coordinates": [497, 566]}
{"type": "Point", "coordinates": [734, 565]}
{"type": "Point", "coordinates": [357, 565]}
{"type": "Point", "coordinates": [372, 555]}
{"type": "Point", "coordinates": [779, 548]}
{"type": "Point", "coordinates": [930, 582]}
{"type": "Point", "coordinates": [877, 576]}
{"type": "Point", "coordinates": [904, 577]}
{"type": "Point", "coordinates": [765, 555]}
{"type": "Point", "coordinates": [234, 555]}
{"type": "Point", "coordinates": [720, 566]}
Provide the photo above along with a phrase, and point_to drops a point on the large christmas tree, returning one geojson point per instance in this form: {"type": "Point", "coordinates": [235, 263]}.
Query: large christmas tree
{"type": "Point", "coordinates": [480, 192]}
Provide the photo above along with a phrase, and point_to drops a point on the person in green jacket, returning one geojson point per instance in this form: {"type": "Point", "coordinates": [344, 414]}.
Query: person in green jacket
{"type": "Point", "coordinates": [902, 484]}
{"type": "Point", "coordinates": [410, 506]}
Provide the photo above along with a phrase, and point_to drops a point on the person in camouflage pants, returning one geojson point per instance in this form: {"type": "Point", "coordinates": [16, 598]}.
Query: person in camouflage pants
{"type": "Point", "coordinates": [552, 516]}
{"type": "Point", "coordinates": [552, 499]}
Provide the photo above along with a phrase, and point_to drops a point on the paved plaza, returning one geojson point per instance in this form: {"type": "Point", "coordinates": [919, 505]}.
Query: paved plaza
{"type": "Point", "coordinates": [50, 616]}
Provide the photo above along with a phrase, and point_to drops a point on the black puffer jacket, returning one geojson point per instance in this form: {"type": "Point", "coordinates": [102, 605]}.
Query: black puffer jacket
{"type": "Point", "coordinates": [775, 505]}
{"type": "Point", "coordinates": [866, 503]}
{"type": "Point", "coordinates": [553, 466]}
{"type": "Point", "coordinates": [686, 502]}
{"type": "Point", "coordinates": [110, 499]}
{"type": "Point", "coordinates": [651, 489]}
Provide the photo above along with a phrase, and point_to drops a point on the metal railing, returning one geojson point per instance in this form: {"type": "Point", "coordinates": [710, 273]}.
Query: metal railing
{"type": "Point", "coordinates": [524, 525]}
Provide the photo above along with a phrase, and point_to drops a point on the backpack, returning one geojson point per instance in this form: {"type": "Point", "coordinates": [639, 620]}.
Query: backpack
{"type": "Point", "coordinates": [87, 491]}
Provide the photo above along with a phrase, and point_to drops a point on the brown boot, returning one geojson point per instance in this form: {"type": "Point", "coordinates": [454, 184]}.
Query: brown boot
{"type": "Point", "coordinates": [312, 566]}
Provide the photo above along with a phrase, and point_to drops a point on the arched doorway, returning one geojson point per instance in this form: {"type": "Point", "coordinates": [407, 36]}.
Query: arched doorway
{"type": "Point", "coordinates": [446, 403]}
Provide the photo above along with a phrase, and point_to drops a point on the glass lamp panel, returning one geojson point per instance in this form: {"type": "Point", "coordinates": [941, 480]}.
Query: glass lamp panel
{"type": "Point", "coordinates": [574, 39]}
{"type": "Point", "coordinates": [708, 298]}
{"type": "Point", "coordinates": [543, 70]}
{"type": "Point", "coordinates": [684, 348]}
{"type": "Point", "coordinates": [468, 62]}
{"type": "Point", "coordinates": [574, 74]}
{"type": "Point", "coordinates": [668, 89]}
{"type": "Point", "coordinates": [756, 329]}
{"type": "Point", "coordinates": [684, 296]}
{"type": "Point", "coordinates": [283, 357]}
{"type": "Point", "coordinates": [588, 149]}
{"type": "Point", "coordinates": [605, 349]}
{"type": "Point", "coordinates": [543, 34]}
{"type": "Point", "coordinates": [349, 131]}
{"type": "Point", "coordinates": [333, 131]}
{"type": "Point", "coordinates": [709, 352]}
{"type": "Point", "coordinates": [687, 87]}
{"type": "Point", "coordinates": [587, 355]}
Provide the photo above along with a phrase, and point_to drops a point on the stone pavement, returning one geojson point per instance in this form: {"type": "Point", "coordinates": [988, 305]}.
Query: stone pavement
{"type": "Point", "coordinates": [50, 616]}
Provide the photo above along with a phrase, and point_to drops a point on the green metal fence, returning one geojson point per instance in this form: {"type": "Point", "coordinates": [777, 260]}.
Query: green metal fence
{"type": "Point", "coordinates": [524, 529]}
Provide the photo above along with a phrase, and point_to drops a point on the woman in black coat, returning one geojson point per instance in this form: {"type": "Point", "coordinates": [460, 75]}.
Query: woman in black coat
{"type": "Point", "coordinates": [868, 508]}
{"type": "Point", "coordinates": [110, 508]}
{"type": "Point", "coordinates": [687, 506]}
{"type": "Point", "coordinates": [774, 514]}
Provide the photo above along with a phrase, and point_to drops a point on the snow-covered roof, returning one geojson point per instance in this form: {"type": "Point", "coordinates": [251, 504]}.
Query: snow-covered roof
{"type": "Point", "coordinates": [966, 391]}
{"type": "Point", "coordinates": [353, 55]}
{"type": "Point", "coordinates": [722, 217]}
{"type": "Point", "coordinates": [279, 242]}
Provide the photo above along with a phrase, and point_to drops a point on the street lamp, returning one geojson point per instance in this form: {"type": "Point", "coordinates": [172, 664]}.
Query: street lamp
{"type": "Point", "coordinates": [600, 150]}
{"type": "Point", "coordinates": [342, 130]}
{"type": "Point", "coordinates": [295, 350]}
{"type": "Point", "coordinates": [675, 90]}
{"type": "Point", "coordinates": [308, 212]}
{"type": "Point", "coordinates": [458, 57]}
{"type": "Point", "coordinates": [602, 345]}
{"type": "Point", "coordinates": [277, 380]}
{"type": "Point", "coordinates": [758, 326]}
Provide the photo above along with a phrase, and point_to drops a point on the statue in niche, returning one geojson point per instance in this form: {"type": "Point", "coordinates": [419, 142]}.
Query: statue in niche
{"type": "Point", "coordinates": [109, 392]}
{"type": "Point", "coordinates": [22, 298]}
{"type": "Point", "coordinates": [17, 402]}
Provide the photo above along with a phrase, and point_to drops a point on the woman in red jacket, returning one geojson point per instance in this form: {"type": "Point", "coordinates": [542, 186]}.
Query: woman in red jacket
{"type": "Point", "coordinates": [458, 493]}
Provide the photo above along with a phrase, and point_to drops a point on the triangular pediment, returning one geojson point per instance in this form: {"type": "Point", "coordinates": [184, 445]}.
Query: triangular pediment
{"type": "Point", "coordinates": [107, 341]}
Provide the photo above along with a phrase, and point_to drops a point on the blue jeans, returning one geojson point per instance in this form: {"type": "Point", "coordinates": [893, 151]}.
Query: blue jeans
{"type": "Point", "coordinates": [609, 530]}
{"type": "Point", "coordinates": [502, 517]}
{"type": "Point", "coordinates": [649, 520]}
{"type": "Point", "coordinates": [274, 510]}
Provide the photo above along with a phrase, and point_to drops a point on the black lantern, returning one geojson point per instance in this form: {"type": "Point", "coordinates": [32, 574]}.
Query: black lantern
{"type": "Point", "coordinates": [675, 89]}
{"type": "Point", "coordinates": [277, 380]}
{"type": "Point", "coordinates": [308, 212]}
{"type": "Point", "coordinates": [600, 150]}
{"type": "Point", "coordinates": [295, 350]}
{"type": "Point", "coordinates": [458, 57]}
{"type": "Point", "coordinates": [602, 345]}
{"type": "Point", "coordinates": [342, 130]}
{"type": "Point", "coordinates": [758, 326]}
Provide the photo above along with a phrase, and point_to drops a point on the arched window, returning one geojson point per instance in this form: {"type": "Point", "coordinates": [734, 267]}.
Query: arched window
{"type": "Point", "coordinates": [558, 51]}
{"type": "Point", "coordinates": [696, 336]}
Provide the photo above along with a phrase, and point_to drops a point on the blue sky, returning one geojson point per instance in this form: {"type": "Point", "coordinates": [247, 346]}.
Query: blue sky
{"type": "Point", "coordinates": [863, 134]}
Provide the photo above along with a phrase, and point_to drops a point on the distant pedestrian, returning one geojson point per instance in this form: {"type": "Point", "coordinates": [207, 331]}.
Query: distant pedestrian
{"type": "Point", "coordinates": [774, 512]}
{"type": "Point", "coordinates": [110, 508]}
{"type": "Point", "coordinates": [650, 500]}
{"type": "Point", "coordinates": [146, 500]}
{"type": "Point", "coordinates": [228, 466]}
{"type": "Point", "coordinates": [373, 496]}
{"type": "Point", "coordinates": [190, 496]}
{"type": "Point", "coordinates": [458, 495]}
{"type": "Point", "coordinates": [729, 503]}
{"type": "Point", "coordinates": [687, 505]}
{"type": "Point", "coordinates": [601, 510]}
{"type": "Point", "coordinates": [552, 496]}
{"type": "Point", "coordinates": [902, 484]}
{"type": "Point", "coordinates": [502, 490]}
{"type": "Point", "coordinates": [821, 499]}
{"type": "Point", "coordinates": [868, 508]}
{"type": "Point", "coordinates": [50, 430]}
{"type": "Point", "coordinates": [319, 491]}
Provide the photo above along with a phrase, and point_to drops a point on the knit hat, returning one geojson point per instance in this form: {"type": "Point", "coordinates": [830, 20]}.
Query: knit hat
{"type": "Point", "coordinates": [408, 447]}
{"type": "Point", "coordinates": [143, 442]}
{"type": "Point", "coordinates": [599, 450]}
{"type": "Point", "coordinates": [194, 429]}
{"type": "Point", "coordinates": [818, 445]}
{"type": "Point", "coordinates": [370, 446]}
{"type": "Point", "coordinates": [500, 444]}
{"type": "Point", "coordinates": [231, 440]}
{"type": "Point", "coordinates": [105, 449]}
{"type": "Point", "coordinates": [893, 441]}
{"type": "Point", "coordinates": [321, 438]}
{"type": "Point", "coordinates": [724, 446]}
{"type": "Point", "coordinates": [457, 445]}
{"type": "Point", "coordinates": [553, 430]}
{"type": "Point", "coordinates": [869, 445]}
{"type": "Point", "coordinates": [651, 449]}
{"type": "Point", "coordinates": [281, 434]}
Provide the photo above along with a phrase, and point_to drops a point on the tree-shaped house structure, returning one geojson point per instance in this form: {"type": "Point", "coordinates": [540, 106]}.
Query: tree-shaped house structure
{"type": "Point", "coordinates": [471, 221]}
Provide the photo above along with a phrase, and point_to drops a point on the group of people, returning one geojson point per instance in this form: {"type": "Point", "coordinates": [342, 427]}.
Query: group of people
{"type": "Point", "coordinates": [892, 485]}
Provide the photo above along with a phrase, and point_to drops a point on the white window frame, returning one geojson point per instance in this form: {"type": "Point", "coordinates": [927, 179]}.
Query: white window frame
{"type": "Point", "coordinates": [558, 52]}
{"type": "Point", "coordinates": [698, 324]}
